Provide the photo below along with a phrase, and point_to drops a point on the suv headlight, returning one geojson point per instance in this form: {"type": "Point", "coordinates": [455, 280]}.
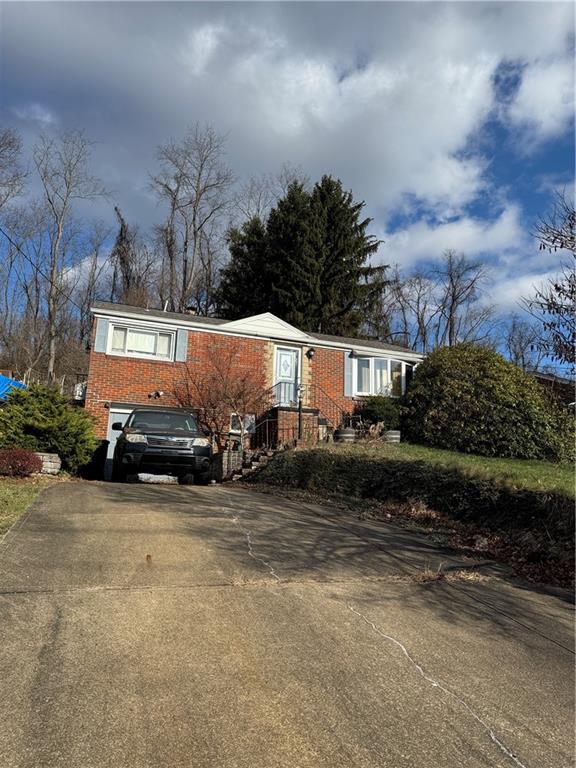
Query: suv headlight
{"type": "Point", "coordinates": [201, 442]}
{"type": "Point", "coordinates": [135, 437]}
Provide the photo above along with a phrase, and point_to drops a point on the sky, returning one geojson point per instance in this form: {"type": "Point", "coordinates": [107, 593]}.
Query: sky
{"type": "Point", "coordinates": [454, 122]}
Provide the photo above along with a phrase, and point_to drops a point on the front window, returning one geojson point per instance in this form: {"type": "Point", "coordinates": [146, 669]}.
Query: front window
{"type": "Point", "coordinates": [363, 377]}
{"type": "Point", "coordinates": [396, 377]}
{"type": "Point", "coordinates": [381, 380]}
{"type": "Point", "coordinates": [137, 342]}
{"type": "Point", "coordinates": [380, 376]}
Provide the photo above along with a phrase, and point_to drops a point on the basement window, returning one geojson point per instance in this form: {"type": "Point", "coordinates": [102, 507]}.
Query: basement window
{"type": "Point", "coordinates": [140, 342]}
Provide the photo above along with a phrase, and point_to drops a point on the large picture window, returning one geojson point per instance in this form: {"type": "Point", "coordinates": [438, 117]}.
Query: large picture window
{"type": "Point", "coordinates": [140, 342]}
{"type": "Point", "coordinates": [379, 376]}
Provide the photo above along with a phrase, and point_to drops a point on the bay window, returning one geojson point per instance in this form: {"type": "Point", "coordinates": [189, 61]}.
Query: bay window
{"type": "Point", "coordinates": [379, 376]}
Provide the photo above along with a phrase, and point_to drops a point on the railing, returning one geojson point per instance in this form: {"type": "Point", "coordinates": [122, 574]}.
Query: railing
{"type": "Point", "coordinates": [285, 393]}
{"type": "Point", "coordinates": [328, 408]}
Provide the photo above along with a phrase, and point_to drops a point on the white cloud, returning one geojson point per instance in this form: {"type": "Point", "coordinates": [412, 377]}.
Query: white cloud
{"type": "Point", "coordinates": [508, 289]}
{"type": "Point", "coordinates": [544, 103]}
{"type": "Point", "coordinates": [390, 97]}
{"type": "Point", "coordinates": [474, 237]}
{"type": "Point", "coordinates": [35, 113]}
{"type": "Point", "coordinates": [200, 47]}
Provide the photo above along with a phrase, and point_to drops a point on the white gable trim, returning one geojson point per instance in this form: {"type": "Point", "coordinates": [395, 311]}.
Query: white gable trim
{"type": "Point", "coordinates": [268, 325]}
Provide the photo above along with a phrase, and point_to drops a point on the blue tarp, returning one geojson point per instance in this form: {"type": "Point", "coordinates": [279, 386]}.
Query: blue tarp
{"type": "Point", "coordinates": [6, 385]}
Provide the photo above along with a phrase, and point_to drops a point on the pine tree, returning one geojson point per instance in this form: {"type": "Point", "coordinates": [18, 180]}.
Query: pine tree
{"type": "Point", "coordinates": [308, 265]}
{"type": "Point", "coordinates": [245, 286]}
{"type": "Point", "coordinates": [338, 237]}
{"type": "Point", "coordinates": [296, 283]}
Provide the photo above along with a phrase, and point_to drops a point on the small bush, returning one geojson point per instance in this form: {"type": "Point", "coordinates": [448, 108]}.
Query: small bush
{"type": "Point", "coordinates": [17, 462]}
{"type": "Point", "coordinates": [380, 409]}
{"type": "Point", "coordinates": [40, 419]}
{"type": "Point", "coordinates": [471, 399]}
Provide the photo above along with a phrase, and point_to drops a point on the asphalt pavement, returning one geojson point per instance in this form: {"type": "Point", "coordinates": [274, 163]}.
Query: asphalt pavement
{"type": "Point", "coordinates": [181, 627]}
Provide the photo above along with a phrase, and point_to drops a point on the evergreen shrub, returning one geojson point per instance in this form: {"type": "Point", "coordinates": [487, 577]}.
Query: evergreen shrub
{"type": "Point", "coordinates": [41, 419]}
{"type": "Point", "coordinates": [470, 399]}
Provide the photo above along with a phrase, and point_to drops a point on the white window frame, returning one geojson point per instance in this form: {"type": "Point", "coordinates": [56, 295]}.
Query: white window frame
{"type": "Point", "coordinates": [373, 391]}
{"type": "Point", "coordinates": [141, 329]}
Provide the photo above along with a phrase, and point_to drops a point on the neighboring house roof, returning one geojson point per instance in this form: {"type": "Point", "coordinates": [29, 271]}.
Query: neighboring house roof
{"type": "Point", "coordinates": [7, 384]}
{"type": "Point", "coordinates": [264, 325]}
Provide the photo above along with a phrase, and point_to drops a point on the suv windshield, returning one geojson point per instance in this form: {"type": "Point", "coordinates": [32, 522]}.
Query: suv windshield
{"type": "Point", "coordinates": [163, 421]}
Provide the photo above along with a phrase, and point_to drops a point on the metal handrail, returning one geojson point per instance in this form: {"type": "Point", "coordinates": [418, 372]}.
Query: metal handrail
{"type": "Point", "coordinates": [329, 408]}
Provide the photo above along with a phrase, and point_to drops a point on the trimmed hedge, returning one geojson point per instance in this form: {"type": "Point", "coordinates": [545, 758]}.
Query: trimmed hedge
{"type": "Point", "coordinates": [470, 399]}
{"type": "Point", "coordinates": [41, 419]}
{"type": "Point", "coordinates": [493, 503]}
{"type": "Point", "coordinates": [17, 462]}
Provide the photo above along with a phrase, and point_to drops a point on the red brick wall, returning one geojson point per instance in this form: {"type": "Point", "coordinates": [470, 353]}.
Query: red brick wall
{"type": "Point", "coordinates": [327, 371]}
{"type": "Point", "coordinates": [112, 378]}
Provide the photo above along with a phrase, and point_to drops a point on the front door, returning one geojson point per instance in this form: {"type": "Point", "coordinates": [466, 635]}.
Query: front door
{"type": "Point", "coordinates": [286, 388]}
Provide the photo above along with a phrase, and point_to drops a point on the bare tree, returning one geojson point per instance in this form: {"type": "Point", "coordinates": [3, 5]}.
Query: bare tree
{"type": "Point", "coordinates": [22, 300]}
{"type": "Point", "coordinates": [521, 343]}
{"type": "Point", "coordinates": [94, 269]}
{"type": "Point", "coordinates": [195, 183]}
{"type": "Point", "coordinates": [12, 173]}
{"type": "Point", "coordinates": [62, 164]}
{"type": "Point", "coordinates": [133, 266]}
{"type": "Point", "coordinates": [226, 388]}
{"type": "Point", "coordinates": [441, 306]}
{"type": "Point", "coordinates": [554, 304]}
{"type": "Point", "coordinates": [259, 194]}
{"type": "Point", "coordinates": [461, 317]}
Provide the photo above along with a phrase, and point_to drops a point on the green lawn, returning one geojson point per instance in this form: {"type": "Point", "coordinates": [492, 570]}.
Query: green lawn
{"type": "Point", "coordinates": [16, 496]}
{"type": "Point", "coordinates": [539, 475]}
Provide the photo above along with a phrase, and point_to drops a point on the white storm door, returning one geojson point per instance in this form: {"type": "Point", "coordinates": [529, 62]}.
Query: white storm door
{"type": "Point", "coordinates": [286, 376]}
{"type": "Point", "coordinates": [115, 414]}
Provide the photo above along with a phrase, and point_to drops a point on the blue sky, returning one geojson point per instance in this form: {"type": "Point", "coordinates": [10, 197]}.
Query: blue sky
{"type": "Point", "coordinates": [453, 121]}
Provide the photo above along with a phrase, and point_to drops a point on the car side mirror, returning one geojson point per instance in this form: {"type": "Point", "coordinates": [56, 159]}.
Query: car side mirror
{"type": "Point", "coordinates": [117, 426]}
{"type": "Point", "coordinates": [206, 432]}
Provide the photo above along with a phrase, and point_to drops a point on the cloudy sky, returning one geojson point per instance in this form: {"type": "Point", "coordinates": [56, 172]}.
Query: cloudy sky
{"type": "Point", "coordinates": [453, 121]}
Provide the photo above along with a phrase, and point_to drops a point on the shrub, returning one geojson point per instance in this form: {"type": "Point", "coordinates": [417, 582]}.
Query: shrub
{"type": "Point", "coordinates": [40, 419]}
{"type": "Point", "coordinates": [471, 399]}
{"type": "Point", "coordinates": [380, 409]}
{"type": "Point", "coordinates": [17, 462]}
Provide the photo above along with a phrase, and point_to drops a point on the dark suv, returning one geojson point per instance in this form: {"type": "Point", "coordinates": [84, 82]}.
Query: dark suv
{"type": "Point", "coordinates": [162, 441]}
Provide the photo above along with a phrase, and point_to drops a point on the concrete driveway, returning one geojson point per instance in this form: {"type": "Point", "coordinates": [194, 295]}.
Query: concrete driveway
{"type": "Point", "coordinates": [169, 627]}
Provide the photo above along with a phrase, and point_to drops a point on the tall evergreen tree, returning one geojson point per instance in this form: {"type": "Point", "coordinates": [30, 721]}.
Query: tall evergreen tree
{"type": "Point", "coordinates": [338, 238]}
{"type": "Point", "coordinates": [245, 285]}
{"type": "Point", "coordinates": [296, 283]}
{"type": "Point", "coordinates": [308, 265]}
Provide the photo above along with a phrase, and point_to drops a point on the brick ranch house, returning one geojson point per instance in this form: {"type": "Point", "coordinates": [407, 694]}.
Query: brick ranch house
{"type": "Point", "coordinates": [138, 353]}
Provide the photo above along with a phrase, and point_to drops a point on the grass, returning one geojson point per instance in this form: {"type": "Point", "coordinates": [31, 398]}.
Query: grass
{"type": "Point", "coordinates": [16, 495]}
{"type": "Point", "coordinates": [536, 475]}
